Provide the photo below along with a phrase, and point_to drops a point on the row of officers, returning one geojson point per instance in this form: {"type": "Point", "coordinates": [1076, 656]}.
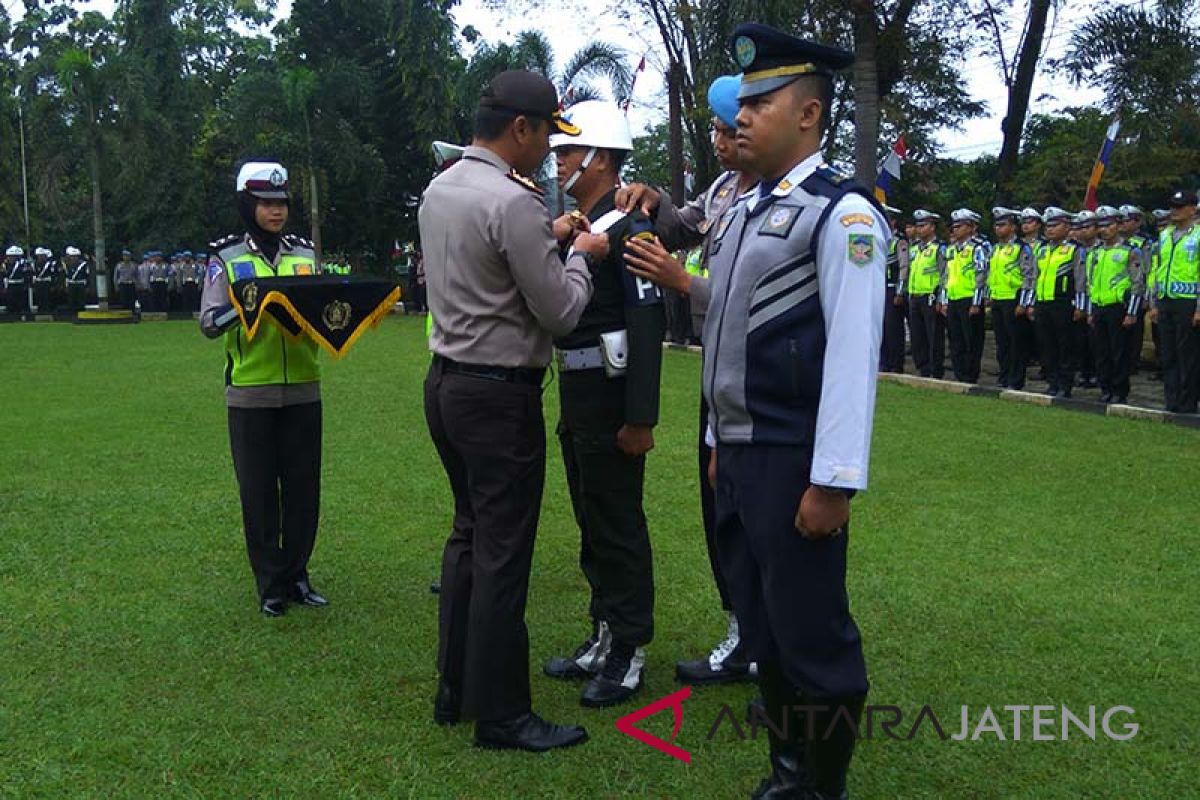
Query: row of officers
{"type": "Point", "coordinates": [1071, 289]}
{"type": "Point", "coordinates": [157, 282]}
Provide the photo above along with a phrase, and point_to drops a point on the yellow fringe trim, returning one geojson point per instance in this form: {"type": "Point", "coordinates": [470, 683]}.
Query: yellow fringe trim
{"type": "Point", "coordinates": [372, 320]}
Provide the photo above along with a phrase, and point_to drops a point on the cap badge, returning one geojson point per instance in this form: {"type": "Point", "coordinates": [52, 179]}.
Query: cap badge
{"type": "Point", "coordinates": [277, 178]}
{"type": "Point", "coordinates": [744, 51]}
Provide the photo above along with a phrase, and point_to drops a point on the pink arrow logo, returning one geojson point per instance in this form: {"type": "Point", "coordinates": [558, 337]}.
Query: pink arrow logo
{"type": "Point", "coordinates": [675, 701]}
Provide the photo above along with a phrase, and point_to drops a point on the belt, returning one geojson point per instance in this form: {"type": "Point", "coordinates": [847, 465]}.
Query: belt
{"type": "Point", "coordinates": [579, 359]}
{"type": "Point", "coordinates": [531, 376]}
{"type": "Point", "coordinates": [80, 282]}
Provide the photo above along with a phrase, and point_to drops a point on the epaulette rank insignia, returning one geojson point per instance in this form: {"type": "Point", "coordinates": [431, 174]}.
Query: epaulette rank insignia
{"type": "Point", "coordinates": [526, 182]}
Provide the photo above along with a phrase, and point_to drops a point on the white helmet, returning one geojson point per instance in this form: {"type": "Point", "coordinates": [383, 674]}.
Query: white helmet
{"type": "Point", "coordinates": [14, 251]}
{"type": "Point", "coordinates": [601, 125]}
{"type": "Point", "coordinates": [72, 251]}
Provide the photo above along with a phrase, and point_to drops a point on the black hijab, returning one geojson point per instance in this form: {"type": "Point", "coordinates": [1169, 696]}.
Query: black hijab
{"type": "Point", "coordinates": [267, 242]}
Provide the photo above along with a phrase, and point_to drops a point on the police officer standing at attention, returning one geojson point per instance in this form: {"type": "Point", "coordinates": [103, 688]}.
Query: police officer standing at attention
{"type": "Point", "coordinates": [77, 272]}
{"type": "Point", "coordinates": [894, 306]}
{"type": "Point", "coordinates": [17, 274]}
{"type": "Point", "coordinates": [46, 272]}
{"type": "Point", "coordinates": [1116, 286]}
{"type": "Point", "coordinates": [497, 291]}
{"type": "Point", "coordinates": [160, 276]}
{"type": "Point", "coordinates": [1010, 267]}
{"type": "Point", "coordinates": [125, 279]}
{"type": "Point", "coordinates": [793, 336]}
{"type": "Point", "coordinates": [1176, 293]}
{"type": "Point", "coordinates": [609, 370]}
{"type": "Point", "coordinates": [189, 277]}
{"type": "Point", "coordinates": [273, 395]}
{"type": "Point", "coordinates": [1084, 233]}
{"type": "Point", "coordinates": [1031, 228]}
{"type": "Point", "coordinates": [921, 285]}
{"type": "Point", "coordinates": [1050, 299]}
{"type": "Point", "coordinates": [678, 228]}
{"type": "Point", "coordinates": [964, 286]}
{"type": "Point", "coordinates": [143, 279]}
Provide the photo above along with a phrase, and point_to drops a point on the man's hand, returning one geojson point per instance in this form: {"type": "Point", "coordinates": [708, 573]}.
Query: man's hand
{"type": "Point", "coordinates": [635, 440]}
{"type": "Point", "coordinates": [650, 260]}
{"type": "Point", "coordinates": [1019, 311]}
{"type": "Point", "coordinates": [1196, 320]}
{"type": "Point", "coordinates": [898, 300]}
{"type": "Point", "coordinates": [822, 513]}
{"type": "Point", "coordinates": [568, 225]}
{"type": "Point", "coordinates": [941, 308]}
{"type": "Point", "coordinates": [637, 194]}
{"type": "Point", "coordinates": [712, 469]}
{"type": "Point", "coordinates": [1029, 313]}
{"type": "Point", "coordinates": [1154, 315]}
{"type": "Point", "coordinates": [973, 311]}
{"type": "Point", "coordinates": [1078, 315]}
{"type": "Point", "coordinates": [1129, 321]}
{"type": "Point", "coordinates": [594, 244]}
{"type": "Point", "coordinates": [1091, 320]}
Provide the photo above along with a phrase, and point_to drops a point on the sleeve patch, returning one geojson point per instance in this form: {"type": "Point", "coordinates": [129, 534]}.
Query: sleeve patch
{"type": "Point", "coordinates": [861, 248]}
{"type": "Point", "coordinates": [858, 219]}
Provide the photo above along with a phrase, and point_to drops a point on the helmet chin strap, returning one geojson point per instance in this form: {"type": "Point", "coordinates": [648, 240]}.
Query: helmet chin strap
{"type": "Point", "coordinates": [583, 165]}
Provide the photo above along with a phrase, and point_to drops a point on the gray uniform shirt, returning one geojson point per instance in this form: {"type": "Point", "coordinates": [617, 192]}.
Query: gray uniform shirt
{"type": "Point", "coordinates": [498, 290]}
{"type": "Point", "coordinates": [125, 272]}
{"type": "Point", "coordinates": [683, 228]}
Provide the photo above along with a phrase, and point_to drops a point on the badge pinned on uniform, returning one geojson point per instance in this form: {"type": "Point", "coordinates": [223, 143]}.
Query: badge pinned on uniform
{"type": "Point", "coordinates": [861, 248]}
{"type": "Point", "coordinates": [242, 270]}
{"type": "Point", "coordinates": [304, 269]}
{"type": "Point", "coordinates": [704, 225]}
{"type": "Point", "coordinates": [858, 219]}
{"type": "Point", "coordinates": [744, 50]}
{"type": "Point", "coordinates": [779, 221]}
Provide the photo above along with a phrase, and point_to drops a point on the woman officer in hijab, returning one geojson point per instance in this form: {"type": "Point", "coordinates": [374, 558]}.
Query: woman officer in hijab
{"type": "Point", "coordinates": [272, 391]}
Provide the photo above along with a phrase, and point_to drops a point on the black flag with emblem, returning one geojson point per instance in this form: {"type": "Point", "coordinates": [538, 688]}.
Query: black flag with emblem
{"type": "Point", "coordinates": [332, 309]}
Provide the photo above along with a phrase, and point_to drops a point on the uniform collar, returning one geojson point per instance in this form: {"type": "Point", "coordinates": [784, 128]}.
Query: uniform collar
{"type": "Point", "coordinates": [477, 153]}
{"type": "Point", "coordinates": [784, 186]}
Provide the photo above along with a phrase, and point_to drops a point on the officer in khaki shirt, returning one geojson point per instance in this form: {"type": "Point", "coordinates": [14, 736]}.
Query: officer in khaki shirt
{"type": "Point", "coordinates": [498, 292]}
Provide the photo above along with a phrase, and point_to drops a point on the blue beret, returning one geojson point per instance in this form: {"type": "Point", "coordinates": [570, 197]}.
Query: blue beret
{"type": "Point", "coordinates": [722, 98]}
{"type": "Point", "coordinates": [771, 59]}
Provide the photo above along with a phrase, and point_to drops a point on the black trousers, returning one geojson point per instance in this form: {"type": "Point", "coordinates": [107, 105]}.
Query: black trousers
{"type": "Point", "coordinates": [1012, 337]}
{"type": "Point", "coordinates": [1056, 342]}
{"type": "Point", "coordinates": [16, 298]}
{"type": "Point", "coordinates": [966, 339]}
{"type": "Point", "coordinates": [277, 459]}
{"type": "Point", "coordinates": [606, 494]}
{"type": "Point", "coordinates": [42, 298]}
{"type": "Point", "coordinates": [77, 296]}
{"type": "Point", "coordinates": [1179, 343]}
{"type": "Point", "coordinates": [127, 292]}
{"type": "Point", "coordinates": [491, 438]}
{"type": "Point", "coordinates": [891, 356]}
{"type": "Point", "coordinates": [1085, 357]}
{"type": "Point", "coordinates": [789, 592]}
{"type": "Point", "coordinates": [158, 296]}
{"type": "Point", "coordinates": [191, 296]}
{"type": "Point", "coordinates": [708, 509]}
{"type": "Point", "coordinates": [1113, 346]}
{"type": "Point", "coordinates": [928, 330]}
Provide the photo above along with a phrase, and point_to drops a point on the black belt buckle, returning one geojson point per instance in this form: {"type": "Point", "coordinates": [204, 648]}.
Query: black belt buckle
{"type": "Point", "coordinates": [527, 375]}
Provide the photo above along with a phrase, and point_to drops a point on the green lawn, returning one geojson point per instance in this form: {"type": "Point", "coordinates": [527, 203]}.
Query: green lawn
{"type": "Point", "coordinates": [1005, 554]}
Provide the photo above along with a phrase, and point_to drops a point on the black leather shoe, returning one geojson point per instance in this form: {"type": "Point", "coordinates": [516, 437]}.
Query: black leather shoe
{"type": "Point", "coordinates": [1122, 401]}
{"type": "Point", "coordinates": [724, 663]}
{"type": "Point", "coordinates": [620, 679]}
{"type": "Point", "coordinates": [527, 732]}
{"type": "Point", "coordinates": [435, 587]}
{"type": "Point", "coordinates": [273, 606]}
{"type": "Point", "coordinates": [305, 594]}
{"type": "Point", "coordinates": [1106, 398]}
{"type": "Point", "coordinates": [586, 661]}
{"type": "Point", "coordinates": [447, 705]}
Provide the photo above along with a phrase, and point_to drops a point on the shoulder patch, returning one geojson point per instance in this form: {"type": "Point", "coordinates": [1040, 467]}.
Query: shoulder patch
{"type": "Point", "coordinates": [860, 248]}
{"type": "Point", "coordinates": [525, 182]}
{"type": "Point", "coordinates": [832, 175]}
{"type": "Point", "coordinates": [297, 241]}
{"type": "Point", "coordinates": [858, 219]}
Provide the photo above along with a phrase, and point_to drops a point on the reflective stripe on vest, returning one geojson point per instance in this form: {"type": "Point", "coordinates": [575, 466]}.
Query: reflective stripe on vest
{"type": "Point", "coordinates": [272, 358]}
{"type": "Point", "coordinates": [1178, 270]}
{"type": "Point", "coordinates": [1051, 286]}
{"type": "Point", "coordinates": [923, 274]}
{"type": "Point", "coordinates": [1004, 271]}
{"type": "Point", "coordinates": [960, 272]}
{"type": "Point", "coordinates": [1108, 275]}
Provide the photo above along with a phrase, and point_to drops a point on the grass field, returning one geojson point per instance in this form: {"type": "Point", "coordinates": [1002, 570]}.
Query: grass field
{"type": "Point", "coordinates": [1005, 554]}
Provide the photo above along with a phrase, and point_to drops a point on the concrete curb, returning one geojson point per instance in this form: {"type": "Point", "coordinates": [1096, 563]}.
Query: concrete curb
{"type": "Point", "coordinates": [1038, 399]}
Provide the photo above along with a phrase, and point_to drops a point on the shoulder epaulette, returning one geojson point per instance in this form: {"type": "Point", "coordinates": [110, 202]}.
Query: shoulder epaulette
{"type": "Point", "coordinates": [220, 244]}
{"type": "Point", "coordinates": [832, 175]}
{"type": "Point", "coordinates": [293, 240]}
{"type": "Point", "coordinates": [526, 182]}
